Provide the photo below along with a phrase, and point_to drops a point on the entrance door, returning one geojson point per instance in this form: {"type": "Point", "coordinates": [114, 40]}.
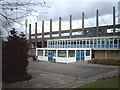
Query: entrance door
{"type": "Point", "coordinates": [50, 56]}
{"type": "Point", "coordinates": [80, 55]}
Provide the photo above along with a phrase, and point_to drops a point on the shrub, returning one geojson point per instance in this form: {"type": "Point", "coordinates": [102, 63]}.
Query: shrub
{"type": "Point", "coordinates": [14, 57]}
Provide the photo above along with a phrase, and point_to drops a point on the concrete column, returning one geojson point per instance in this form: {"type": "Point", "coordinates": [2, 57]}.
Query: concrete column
{"type": "Point", "coordinates": [113, 20]}
{"type": "Point", "coordinates": [30, 42]}
{"type": "Point", "coordinates": [70, 26]}
{"type": "Point", "coordinates": [97, 23]}
{"type": "Point", "coordinates": [82, 24]}
{"type": "Point", "coordinates": [42, 34]}
{"type": "Point", "coordinates": [50, 28]}
{"type": "Point", "coordinates": [59, 26]}
{"type": "Point", "coordinates": [35, 34]}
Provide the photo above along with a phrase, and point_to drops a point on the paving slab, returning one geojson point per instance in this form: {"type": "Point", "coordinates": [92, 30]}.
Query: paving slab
{"type": "Point", "coordinates": [56, 75]}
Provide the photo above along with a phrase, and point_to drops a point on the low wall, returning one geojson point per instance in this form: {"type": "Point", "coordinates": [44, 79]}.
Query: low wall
{"type": "Point", "coordinates": [107, 54]}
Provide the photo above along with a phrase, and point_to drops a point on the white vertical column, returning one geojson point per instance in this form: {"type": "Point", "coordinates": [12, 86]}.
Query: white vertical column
{"type": "Point", "coordinates": [90, 54]}
{"type": "Point", "coordinates": [43, 52]}
{"type": "Point", "coordinates": [36, 52]}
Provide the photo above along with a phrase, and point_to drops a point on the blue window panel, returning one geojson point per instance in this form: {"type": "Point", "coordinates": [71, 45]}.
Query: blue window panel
{"type": "Point", "coordinates": [91, 46]}
{"type": "Point", "coordinates": [87, 46]}
{"type": "Point", "coordinates": [102, 46]}
{"type": "Point", "coordinates": [68, 46]}
{"type": "Point", "coordinates": [99, 46]}
{"type": "Point", "coordinates": [111, 45]}
{"type": "Point", "coordinates": [107, 46]}
{"type": "Point", "coordinates": [84, 46]}
{"type": "Point", "coordinates": [118, 45]}
{"type": "Point", "coordinates": [95, 46]}
{"type": "Point", "coordinates": [115, 46]}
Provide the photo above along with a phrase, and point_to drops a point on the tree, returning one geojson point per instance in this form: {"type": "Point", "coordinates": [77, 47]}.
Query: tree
{"type": "Point", "coordinates": [15, 57]}
{"type": "Point", "coordinates": [14, 12]}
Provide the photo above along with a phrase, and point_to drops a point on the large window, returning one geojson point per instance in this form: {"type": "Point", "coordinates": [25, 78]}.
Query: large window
{"type": "Point", "coordinates": [115, 40]}
{"type": "Point", "coordinates": [87, 52]}
{"type": "Point", "coordinates": [71, 53]}
{"type": "Point", "coordinates": [62, 53]}
{"type": "Point", "coordinates": [46, 52]}
{"type": "Point", "coordinates": [40, 52]}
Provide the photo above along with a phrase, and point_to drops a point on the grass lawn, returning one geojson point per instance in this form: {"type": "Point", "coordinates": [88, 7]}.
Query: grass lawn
{"type": "Point", "coordinates": [103, 83]}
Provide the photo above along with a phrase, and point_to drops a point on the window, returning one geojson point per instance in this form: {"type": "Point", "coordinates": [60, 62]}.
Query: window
{"type": "Point", "coordinates": [91, 41]}
{"type": "Point", "coordinates": [115, 40]}
{"type": "Point", "coordinates": [61, 53]}
{"type": "Point", "coordinates": [84, 42]}
{"type": "Point", "coordinates": [40, 52]}
{"type": "Point", "coordinates": [111, 41]}
{"type": "Point", "coordinates": [71, 53]}
{"type": "Point", "coordinates": [78, 42]}
{"type": "Point", "coordinates": [103, 41]}
{"type": "Point", "coordinates": [98, 41]}
{"type": "Point", "coordinates": [46, 53]}
{"type": "Point", "coordinates": [87, 41]}
{"type": "Point", "coordinates": [87, 52]}
{"type": "Point", "coordinates": [95, 41]}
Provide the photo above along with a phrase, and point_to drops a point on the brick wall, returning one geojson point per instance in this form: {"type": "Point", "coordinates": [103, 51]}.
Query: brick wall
{"type": "Point", "coordinates": [108, 54]}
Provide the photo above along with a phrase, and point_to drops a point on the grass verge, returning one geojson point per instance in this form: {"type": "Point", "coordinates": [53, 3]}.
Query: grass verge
{"type": "Point", "coordinates": [103, 83]}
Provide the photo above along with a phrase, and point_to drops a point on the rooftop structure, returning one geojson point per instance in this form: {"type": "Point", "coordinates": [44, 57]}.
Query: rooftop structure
{"type": "Point", "coordinates": [100, 42]}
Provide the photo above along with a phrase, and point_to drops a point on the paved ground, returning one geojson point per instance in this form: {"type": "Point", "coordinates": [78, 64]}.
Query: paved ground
{"type": "Point", "coordinates": [57, 75]}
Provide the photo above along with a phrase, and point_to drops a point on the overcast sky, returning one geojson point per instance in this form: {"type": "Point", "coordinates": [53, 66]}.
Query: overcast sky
{"type": "Point", "coordinates": [63, 8]}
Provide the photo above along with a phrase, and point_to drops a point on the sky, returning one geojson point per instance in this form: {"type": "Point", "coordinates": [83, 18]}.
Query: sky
{"type": "Point", "coordinates": [64, 8]}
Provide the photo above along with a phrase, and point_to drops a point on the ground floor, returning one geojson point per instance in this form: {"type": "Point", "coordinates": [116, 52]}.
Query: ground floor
{"type": "Point", "coordinates": [68, 55]}
{"type": "Point", "coordinates": [64, 55]}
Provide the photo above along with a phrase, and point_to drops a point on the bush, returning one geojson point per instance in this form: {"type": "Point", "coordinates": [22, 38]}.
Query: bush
{"type": "Point", "coordinates": [14, 58]}
{"type": "Point", "coordinates": [105, 62]}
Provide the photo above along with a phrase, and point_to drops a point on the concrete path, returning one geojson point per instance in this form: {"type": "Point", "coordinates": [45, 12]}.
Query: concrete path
{"type": "Point", "coordinates": [57, 75]}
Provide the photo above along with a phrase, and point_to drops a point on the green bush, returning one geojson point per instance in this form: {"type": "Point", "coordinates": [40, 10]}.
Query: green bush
{"type": "Point", "coordinates": [14, 58]}
{"type": "Point", "coordinates": [105, 62]}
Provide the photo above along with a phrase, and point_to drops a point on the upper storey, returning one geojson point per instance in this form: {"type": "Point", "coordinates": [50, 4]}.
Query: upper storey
{"type": "Point", "coordinates": [96, 43]}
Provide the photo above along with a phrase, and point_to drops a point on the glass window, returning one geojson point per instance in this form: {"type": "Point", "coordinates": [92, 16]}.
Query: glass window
{"type": "Point", "coordinates": [103, 41]}
{"type": "Point", "coordinates": [54, 52]}
{"type": "Point", "coordinates": [80, 42]}
{"type": "Point", "coordinates": [46, 53]}
{"type": "Point", "coordinates": [111, 41]}
{"type": "Point", "coordinates": [119, 41]}
{"type": "Point", "coordinates": [95, 41]}
{"type": "Point", "coordinates": [98, 41]}
{"type": "Point", "coordinates": [83, 41]}
{"type": "Point", "coordinates": [107, 41]}
{"type": "Point", "coordinates": [71, 53]}
{"type": "Point", "coordinates": [87, 52]}
{"type": "Point", "coordinates": [91, 41]}
{"type": "Point", "coordinates": [60, 42]}
{"type": "Point", "coordinates": [77, 41]}
{"type": "Point", "coordinates": [87, 41]}
{"type": "Point", "coordinates": [115, 40]}
{"type": "Point", "coordinates": [40, 52]}
{"type": "Point", "coordinates": [62, 53]}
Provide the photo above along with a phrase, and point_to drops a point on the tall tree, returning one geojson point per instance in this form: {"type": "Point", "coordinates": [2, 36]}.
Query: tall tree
{"type": "Point", "coordinates": [15, 57]}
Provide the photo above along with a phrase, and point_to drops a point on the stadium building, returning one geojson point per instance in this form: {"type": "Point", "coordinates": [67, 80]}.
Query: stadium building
{"type": "Point", "coordinates": [99, 42]}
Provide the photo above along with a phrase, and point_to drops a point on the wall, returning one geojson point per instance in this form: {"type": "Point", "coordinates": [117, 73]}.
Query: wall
{"type": "Point", "coordinates": [108, 54]}
{"type": "Point", "coordinates": [32, 52]}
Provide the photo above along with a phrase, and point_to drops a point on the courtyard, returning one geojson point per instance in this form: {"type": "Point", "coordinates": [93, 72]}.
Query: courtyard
{"type": "Point", "coordinates": [60, 75]}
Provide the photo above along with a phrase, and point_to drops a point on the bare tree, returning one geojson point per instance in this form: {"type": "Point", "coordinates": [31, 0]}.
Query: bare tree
{"type": "Point", "coordinates": [14, 12]}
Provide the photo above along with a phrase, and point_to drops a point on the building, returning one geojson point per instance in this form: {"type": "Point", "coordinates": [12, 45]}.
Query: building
{"type": "Point", "coordinates": [93, 43]}
{"type": "Point", "coordinates": [119, 12]}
